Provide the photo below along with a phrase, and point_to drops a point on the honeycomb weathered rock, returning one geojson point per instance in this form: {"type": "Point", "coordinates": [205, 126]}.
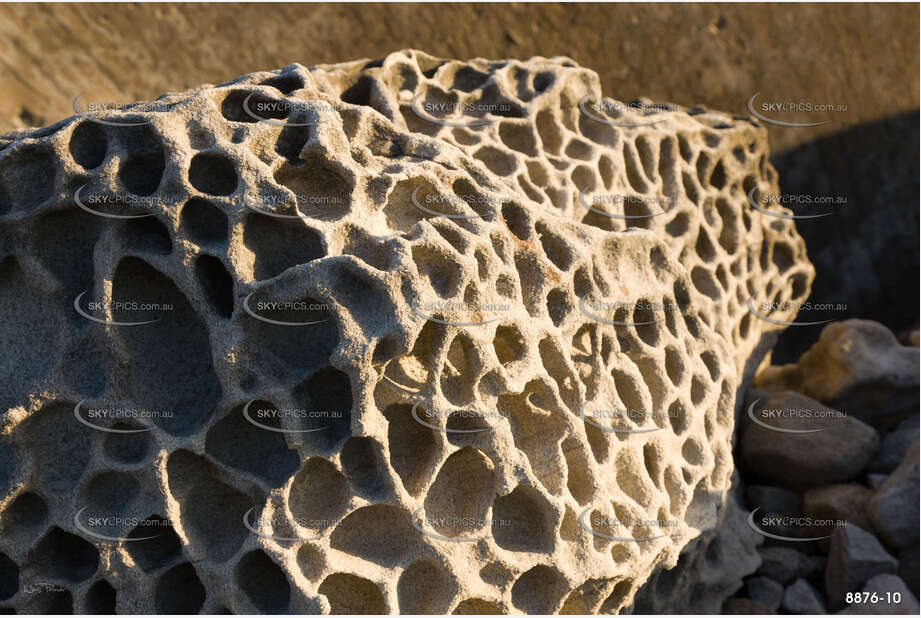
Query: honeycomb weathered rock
{"type": "Point", "coordinates": [487, 397]}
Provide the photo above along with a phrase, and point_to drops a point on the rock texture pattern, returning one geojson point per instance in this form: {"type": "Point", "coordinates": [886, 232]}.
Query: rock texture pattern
{"type": "Point", "coordinates": [316, 348]}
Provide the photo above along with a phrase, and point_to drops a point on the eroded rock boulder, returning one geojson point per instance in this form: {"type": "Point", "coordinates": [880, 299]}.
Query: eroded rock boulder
{"type": "Point", "coordinates": [301, 342]}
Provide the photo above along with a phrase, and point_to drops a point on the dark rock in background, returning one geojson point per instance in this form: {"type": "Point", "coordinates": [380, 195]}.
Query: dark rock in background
{"type": "Point", "coordinates": [893, 510]}
{"type": "Point", "coordinates": [801, 597]}
{"type": "Point", "coordinates": [764, 590]}
{"type": "Point", "coordinates": [908, 567]}
{"type": "Point", "coordinates": [785, 564]}
{"type": "Point", "coordinates": [837, 449]}
{"type": "Point", "coordinates": [745, 607]}
{"type": "Point", "coordinates": [894, 446]}
{"type": "Point", "coordinates": [855, 557]}
{"type": "Point", "coordinates": [837, 502]}
{"type": "Point", "coordinates": [867, 255]}
{"type": "Point", "coordinates": [858, 367]}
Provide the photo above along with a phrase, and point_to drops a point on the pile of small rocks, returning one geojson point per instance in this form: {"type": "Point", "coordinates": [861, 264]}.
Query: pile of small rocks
{"type": "Point", "coordinates": [828, 452]}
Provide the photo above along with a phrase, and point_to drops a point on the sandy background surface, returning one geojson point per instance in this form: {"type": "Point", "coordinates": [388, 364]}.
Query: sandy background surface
{"type": "Point", "coordinates": [861, 56]}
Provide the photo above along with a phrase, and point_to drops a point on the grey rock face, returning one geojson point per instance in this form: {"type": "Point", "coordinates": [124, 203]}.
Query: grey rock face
{"type": "Point", "coordinates": [894, 446]}
{"type": "Point", "coordinates": [801, 597]}
{"type": "Point", "coordinates": [841, 503]}
{"type": "Point", "coordinates": [908, 567]}
{"type": "Point", "coordinates": [772, 504]}
{"type": "Point", "coordinates": [773, 499]}
{"type": "Point", "coordinates": [797, 442]}
{"type": "Point", "coordinates": [893, 510]}
{"type": "Point", "coordinates": [854, 557]}
{"type": "Point", "coordinates": [764, 590]}
{"type": "Point", "coordinates": [784, 564]}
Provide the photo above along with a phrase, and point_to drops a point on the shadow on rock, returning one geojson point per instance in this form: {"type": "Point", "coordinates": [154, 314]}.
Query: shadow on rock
{"type": "Point", "coordinates": [865, 255]}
